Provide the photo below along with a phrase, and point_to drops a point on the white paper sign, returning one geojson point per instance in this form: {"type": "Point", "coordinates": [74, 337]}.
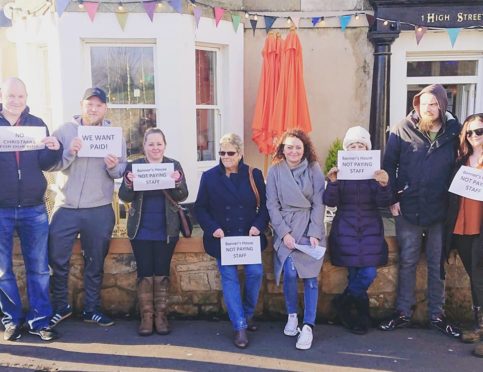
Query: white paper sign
{"type": "Point", "coordinates": [97, 142]}
{"type": "Point", "coordinates": [468, 182]}
{"type": "Point", "coordinates": [358, 165]}
{"type": "Point", "coordinates": [314, 252]}
{"type": "Point", "coordinates": [15, 138]}
{"type": "Point", "coordinates": [153, 176]}
{"type": "Point", "coordinates": [240, 250]}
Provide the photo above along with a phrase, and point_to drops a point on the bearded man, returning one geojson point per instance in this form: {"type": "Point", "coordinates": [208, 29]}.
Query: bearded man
{"type": "Point", "coordinates": [83, 206]}
{"type": "Point", "coordinates": [419, 159]}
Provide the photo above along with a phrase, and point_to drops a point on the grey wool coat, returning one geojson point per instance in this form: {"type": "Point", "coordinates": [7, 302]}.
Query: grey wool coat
{"type": "Point", "coordinates": [294, 202]}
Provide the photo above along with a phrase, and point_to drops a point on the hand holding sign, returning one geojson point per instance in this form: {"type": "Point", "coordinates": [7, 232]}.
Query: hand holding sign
{"type": "Point", "coordinates": [52, 143]}
{"type": "Point", "coordinates": [382, 177]}
{"type": "Point", "coordinates": [75, 145]}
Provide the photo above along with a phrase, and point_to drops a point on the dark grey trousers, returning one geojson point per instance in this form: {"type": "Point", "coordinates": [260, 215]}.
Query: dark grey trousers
{"type": "Point", "coordinates": [95, 228]}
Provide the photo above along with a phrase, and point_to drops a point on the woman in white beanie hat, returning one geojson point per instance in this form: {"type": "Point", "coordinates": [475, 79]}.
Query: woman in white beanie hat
{"type": "Point", "coordinates": [356, 239]}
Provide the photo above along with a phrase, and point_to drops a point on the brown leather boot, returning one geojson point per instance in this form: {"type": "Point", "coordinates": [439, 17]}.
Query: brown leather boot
{"type": "Point", "coordinates": [146, 306]}
{"type": "Point", "coordinates": [161, 286]}
{"type": "Point", "coordinates": [475, 334]}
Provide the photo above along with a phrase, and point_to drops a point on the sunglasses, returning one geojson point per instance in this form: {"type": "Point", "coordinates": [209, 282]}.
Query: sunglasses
{"type": "Point", "coordinates": [227, 153]}
{"type": "Point", "coordinates": [478, 132]}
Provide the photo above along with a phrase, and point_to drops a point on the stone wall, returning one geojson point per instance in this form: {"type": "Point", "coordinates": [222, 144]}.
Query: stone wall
{"type": "Point", "coordinates": [196, 288]}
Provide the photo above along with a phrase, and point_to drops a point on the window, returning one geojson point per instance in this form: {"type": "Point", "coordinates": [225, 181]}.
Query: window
{"type": "Point", "coordinates": [207, 103]}
{"type": "Point", "coordinates": [126, 73]}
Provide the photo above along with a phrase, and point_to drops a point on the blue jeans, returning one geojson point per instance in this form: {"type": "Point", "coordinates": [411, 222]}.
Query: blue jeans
{"type": "Point", "coordinates": [32, 227]}
{"type": "Point", "coordinates": [360, 279]}
{"type": "Point", "coordinates": [311, 292]}
{"type": "Point", "coordinates": [410, 239]}
{"type": "Point", "coordinates": [239, 310]}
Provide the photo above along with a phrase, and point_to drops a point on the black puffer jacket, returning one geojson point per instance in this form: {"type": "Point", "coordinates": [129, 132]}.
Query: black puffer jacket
{"type": "Point", "coordinates": [24, 185]}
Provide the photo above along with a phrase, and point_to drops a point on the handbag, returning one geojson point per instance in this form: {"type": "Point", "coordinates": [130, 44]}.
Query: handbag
{"type": "Point", "coordinates": [186, 226]}
{"type": "Point", "coordinates": [254, 187]}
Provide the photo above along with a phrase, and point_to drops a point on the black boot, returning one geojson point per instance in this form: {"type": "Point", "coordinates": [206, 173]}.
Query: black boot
{"type": "Point", "coordinates": [343, 305]}
{"type": "Point", "coordinates": [361, 326]}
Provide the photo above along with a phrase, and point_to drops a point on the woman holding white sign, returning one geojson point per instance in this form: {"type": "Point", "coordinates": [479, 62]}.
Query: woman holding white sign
{"type": "Point", "coordinates": [295, 186]}
{"type": "Point", "coordinates": [231, 203]}
{"type": "Point", "coordinates": [153, 227]}
{"type": "Point", "coordinates": [465, 223]}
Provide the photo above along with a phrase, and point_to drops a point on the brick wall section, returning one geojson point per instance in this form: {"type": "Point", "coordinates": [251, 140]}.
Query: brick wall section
{"type": "Point", "coordinates": [196, 288]}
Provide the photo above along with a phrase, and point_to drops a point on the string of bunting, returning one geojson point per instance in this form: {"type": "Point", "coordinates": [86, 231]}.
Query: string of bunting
{"type": "Point", "coordinates": [12, 11]}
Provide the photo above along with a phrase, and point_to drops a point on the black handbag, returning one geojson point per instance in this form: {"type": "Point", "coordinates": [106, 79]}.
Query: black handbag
{"type": "Point", "coordinates": [186, 226]}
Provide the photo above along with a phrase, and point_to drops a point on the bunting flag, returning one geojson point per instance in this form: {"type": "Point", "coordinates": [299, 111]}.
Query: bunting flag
{"type": "Point", "coordinates": [370, 19]}
{"type": "Point", "coordinates": [91, 9]}
{"type": "Point", "coordinates": [149, 7]}
{"type": "Point", "coordinates": [235, 19]}
{"type": "Point", "coordinates": [60, 6]}
{"type": "Point", "coordinates": [420, 31]}
{"type": "Point", "coordinates": [197, 13]}
{"type": "Point", "coordinates": [176, 5]}
{"type": "Point", "coordinates": [295, 21]}
{"type": "Point", "coordinates": [344, 21]}
{"type": "Point", "coordinates": [453, 35]}
{"type": "Point", "coordinates": [4, 21]}
{"type": "Point", "coordinates": [316, 20]}
{"type": "Point", "coordinates": [122, 18]}
{"type": "Point", "coordinates": [253, 23]}
{"type": "Point", "coordinates": [218, 14]}
{"type": "Point", "coordinates": [269, 22]}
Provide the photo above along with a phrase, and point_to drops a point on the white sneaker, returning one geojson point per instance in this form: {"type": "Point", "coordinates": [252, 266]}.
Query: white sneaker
{"type": "Point", "coordinates": [304, 341]}
{"type": "Point", "coordinates": [292, 326]}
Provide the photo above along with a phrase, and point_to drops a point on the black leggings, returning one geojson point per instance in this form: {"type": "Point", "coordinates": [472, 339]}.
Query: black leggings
{"type": "Point", "coordinates": [471, 254]}
{"type": "Point", "coordinates": [153, 257]}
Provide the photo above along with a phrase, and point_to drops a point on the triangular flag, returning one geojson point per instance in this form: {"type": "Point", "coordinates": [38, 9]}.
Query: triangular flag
{"type": "Point", "coordinates": [4, 21]}
{"type": "Point", "coordinates": [296, 21]}
{"type": "Point", "coordinates": [197, 13]}
{"type": "Point", "coordinates": [235, 19]}
{"type": "Point", "coordinates": [453, 35]}
{"type": "Point", "coordinates": [420, 31]}
{"type": "Point", "coordinates": [149, 7]}
{"type": "Point", "coordinates": [218, 14]}
{"type": "Point", "coordinates": [370, 19]}
{"type": "Point", "coordinates": [269, 22]}
{"type": "Point", "coordinates": [315, 20]}
{"type": "Point", "coordinates": [122, 18]}
{"type": "Point", "coordinates": [176, 5]}
{"type": "Point", "coordinates": [91, 9]}
{"type": "Point", "coordinates": [344, 21]}
{"type": "Point", "coordinates": [253, 23]}
{"type": "Point", "coordinates": [60, 6]}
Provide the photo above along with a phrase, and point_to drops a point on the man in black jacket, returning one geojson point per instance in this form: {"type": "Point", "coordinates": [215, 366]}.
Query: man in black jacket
{"type": "Point", "coordinates": [22, 209]}
{"type": "Point", "coordinates": [419, 158]}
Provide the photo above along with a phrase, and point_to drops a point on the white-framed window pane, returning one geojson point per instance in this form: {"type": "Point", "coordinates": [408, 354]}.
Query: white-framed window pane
{"type": "Point", "coordinates": [126, 73]}
{"type": "Point", "coordinates": [442, 68]}
{"type": "Point", "coordinates": [206, 134]}
{"type": "Point", "coordinates": [206, 92]}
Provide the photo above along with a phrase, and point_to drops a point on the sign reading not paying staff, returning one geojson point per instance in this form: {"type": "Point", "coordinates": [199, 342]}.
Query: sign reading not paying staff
{"type": "Point", "coordinates": [468, 182]}
{"type": "Point", "coordinates": [21, 138]}
{"type": "Point", "coordinates": [153, 176]}
{"type": "Point", "coordinates": [358, 165]}
{"type": "Point", "coordinates": [241, 250]}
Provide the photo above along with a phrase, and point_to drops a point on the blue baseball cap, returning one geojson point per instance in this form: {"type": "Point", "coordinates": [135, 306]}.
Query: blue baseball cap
{"type": "Point", "coordinates": [95, 92]}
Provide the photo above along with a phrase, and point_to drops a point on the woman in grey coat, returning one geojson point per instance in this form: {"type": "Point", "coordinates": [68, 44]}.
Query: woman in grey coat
{"type": "Point", "coordinates": [295, 186]}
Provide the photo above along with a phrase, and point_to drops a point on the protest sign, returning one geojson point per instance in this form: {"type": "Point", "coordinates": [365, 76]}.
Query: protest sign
{"type": "Point", "coordinates": [97, 142]}
{"type": "Point", "coordinates": [358, 165]}
{"type": "Point", "coordinates": [314, 252]}
{"type": "Point", "coordinates": [240, 250]}
{"type": "Point", "coordinates": [153, 176]}
{"type": "Point", "coordinates": [468, 182]}
{"type": "Point", "coordinates": [21, 138]}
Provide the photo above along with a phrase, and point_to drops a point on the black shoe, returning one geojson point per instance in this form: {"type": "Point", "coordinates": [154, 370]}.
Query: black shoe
{"type": "Point", "coordinates": [251, 325]}
{"type": "Point", "coordinates": [45, 334]}
{"type": "Point", "coordinates": [12, 332]}
{"type": "Point", "coordinates": [343, 304]}
{"type": "Point", "coordinates": [442, 324]}
{"type": "Point", "coordinates": [97, 317]}
{"type": "Point", "coordinates": [60, 315]}
{"type": "Point", "coordinates": [397, 321]}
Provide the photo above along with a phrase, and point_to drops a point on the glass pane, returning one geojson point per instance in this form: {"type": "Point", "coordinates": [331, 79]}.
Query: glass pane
{"type": "Point", "coordinates": [205, 134]}
{"type": "Point", "coordinates": [205, 77]}
{"type": "Point", "coordinates": [134, 123]}
{"type": "Point", "coordinates": [125, 73]}
{"type": "Point", "coordinates": [442, 68]}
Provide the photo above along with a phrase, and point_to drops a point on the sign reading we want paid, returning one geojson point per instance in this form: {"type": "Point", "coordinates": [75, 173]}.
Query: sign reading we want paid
{"type": "Point", "coordinates": [98, 142]}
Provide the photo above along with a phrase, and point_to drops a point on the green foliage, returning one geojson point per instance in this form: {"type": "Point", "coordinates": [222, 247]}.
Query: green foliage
{"type": "Point", "coordinates": [331, 160]}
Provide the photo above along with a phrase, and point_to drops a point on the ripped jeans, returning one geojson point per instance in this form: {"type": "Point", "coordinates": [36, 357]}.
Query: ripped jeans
{"type": "Point", "coordinates": [311, 292]}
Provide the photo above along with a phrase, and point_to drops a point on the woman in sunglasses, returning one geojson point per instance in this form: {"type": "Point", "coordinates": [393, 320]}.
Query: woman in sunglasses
{"type": "Point", "coordinates": [465, 224]}
{"type": "Point", "coordinates": [231, 202]}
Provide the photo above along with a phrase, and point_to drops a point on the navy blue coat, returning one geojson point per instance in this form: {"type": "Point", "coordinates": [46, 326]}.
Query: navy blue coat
{"type": "Point", "coordinates": [357, 234]}
{"type": "Point", "coordinates": [230, 204]}
{"type": "Point", "coordinates": [24, 185]}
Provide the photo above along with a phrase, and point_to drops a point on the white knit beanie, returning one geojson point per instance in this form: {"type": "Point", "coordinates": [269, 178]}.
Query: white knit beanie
{"type": "Point", "coordinates": [357, 134]}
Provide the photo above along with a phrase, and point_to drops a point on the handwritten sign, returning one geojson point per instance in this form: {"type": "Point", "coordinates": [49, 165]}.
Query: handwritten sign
{"type": "Point", "coordinates": [468, 182]}
{"type": "Point", "coordinates": [358, 165]}
{"type": "Point", "coordinates": [97, 142]}
{"type": "Point", "coordinates": [153, 176]}
{"type": "Point", "coordinates": [241, 250]}
{"type": "Point", "coordinates": [15, 138]}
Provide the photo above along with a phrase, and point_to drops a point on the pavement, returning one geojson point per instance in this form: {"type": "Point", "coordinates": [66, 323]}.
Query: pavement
{"type": "Point", "coordinates": [201, 345]}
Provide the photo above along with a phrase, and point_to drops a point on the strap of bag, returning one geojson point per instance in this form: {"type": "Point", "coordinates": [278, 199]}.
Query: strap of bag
{"type": "Point", "coordinates": [171, 200]}
{"type": "Point", "coordinates": [254, 186]}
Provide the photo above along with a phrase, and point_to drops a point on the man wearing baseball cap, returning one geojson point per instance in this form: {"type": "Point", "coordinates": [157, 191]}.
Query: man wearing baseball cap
{"type": "Point", "coordinates": [83, 206]}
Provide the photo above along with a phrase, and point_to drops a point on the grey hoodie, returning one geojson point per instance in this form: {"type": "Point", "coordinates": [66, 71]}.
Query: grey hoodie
{"type": "Point", "coordinates": [84, 182]}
